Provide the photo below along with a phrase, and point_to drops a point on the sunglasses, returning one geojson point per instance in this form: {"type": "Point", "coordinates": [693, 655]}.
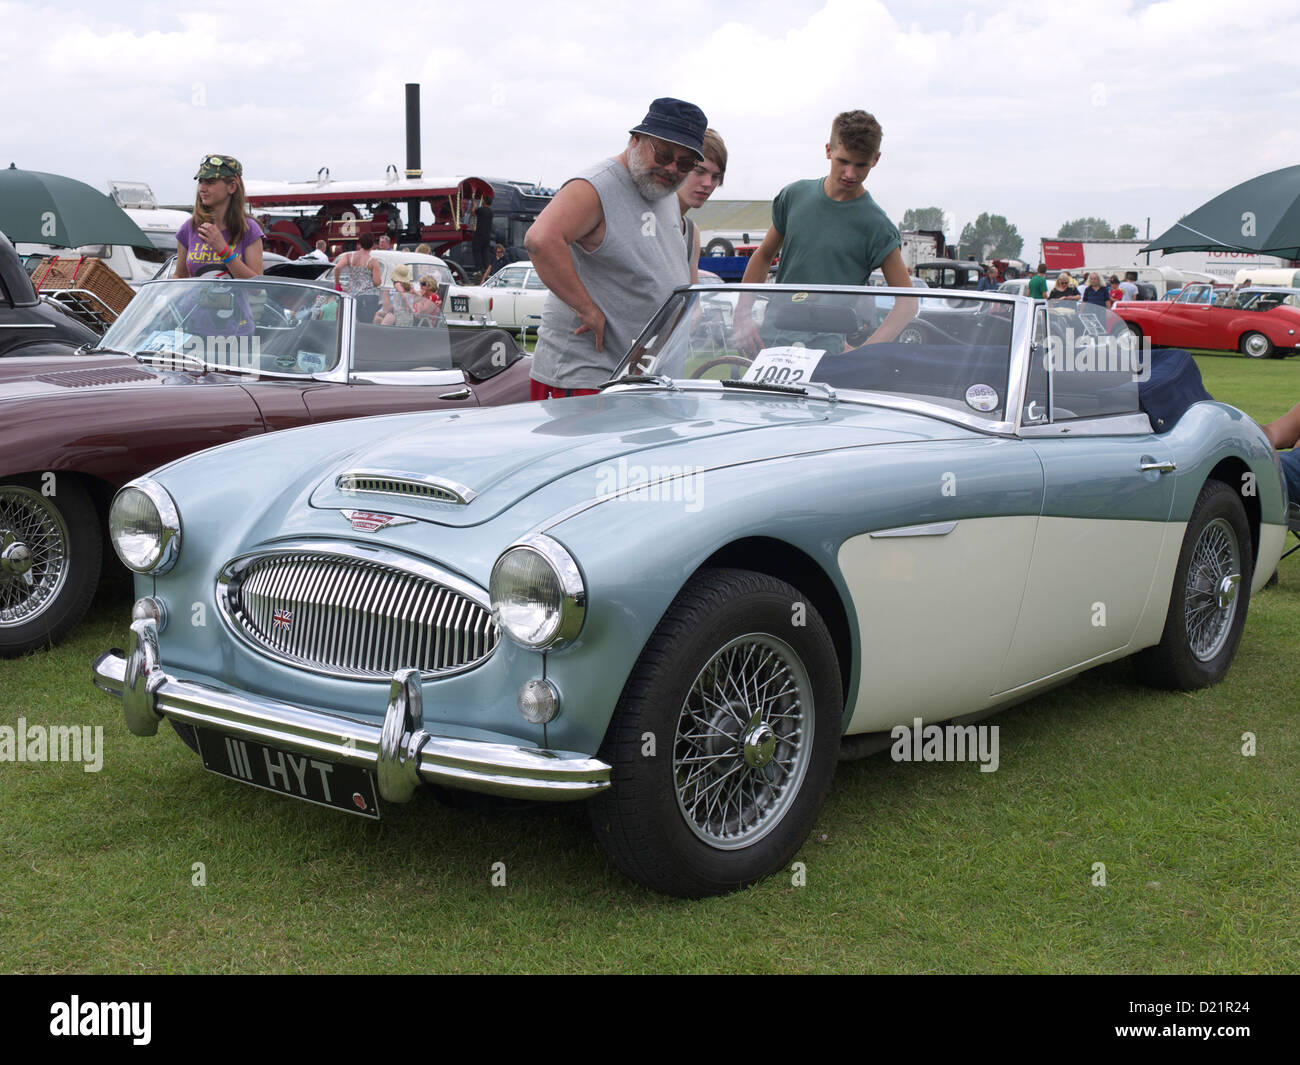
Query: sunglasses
{"type": "Point", "coordinates": [665, 156]}
{"type": "Point", "coordinates": [229, 162]}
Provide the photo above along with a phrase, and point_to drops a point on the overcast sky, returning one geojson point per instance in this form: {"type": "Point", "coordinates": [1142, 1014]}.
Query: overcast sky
{"type": "Point", "coordinates": [1038, 111]}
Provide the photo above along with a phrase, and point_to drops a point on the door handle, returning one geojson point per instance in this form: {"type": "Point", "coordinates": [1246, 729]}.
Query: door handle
{"type": "Point", "coordinates": [1159, 467]}
{"type": "Point", "coordinates": [460, 393]}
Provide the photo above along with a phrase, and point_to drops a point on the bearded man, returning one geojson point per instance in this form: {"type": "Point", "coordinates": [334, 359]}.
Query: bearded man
{"type": "Point", "coordinates": [609, 247]}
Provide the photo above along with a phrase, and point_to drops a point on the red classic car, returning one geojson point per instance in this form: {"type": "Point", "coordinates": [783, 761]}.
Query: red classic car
{"type": "Point", "coordinates": [1259, 322]}
{"type": "Point", "coordinates": [191, 364]}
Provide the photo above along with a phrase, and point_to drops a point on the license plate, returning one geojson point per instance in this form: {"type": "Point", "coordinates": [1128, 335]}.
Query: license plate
{"type": "Point", "coordinates": [460, 303]}
{"type": "Point", "coordinates": [301, 776]}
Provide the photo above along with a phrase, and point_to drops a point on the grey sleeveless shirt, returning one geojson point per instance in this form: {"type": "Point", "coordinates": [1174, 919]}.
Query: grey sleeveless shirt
{"type": "Point", "coordinates": [640, 261]}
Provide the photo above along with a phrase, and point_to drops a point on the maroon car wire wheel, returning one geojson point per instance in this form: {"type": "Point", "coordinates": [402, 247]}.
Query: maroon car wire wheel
{"type": "Point", "coordinates": [33, 554]}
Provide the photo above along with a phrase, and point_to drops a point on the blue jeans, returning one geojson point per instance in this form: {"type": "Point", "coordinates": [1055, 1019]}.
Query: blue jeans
{"type": "Point", "coordinates": [1291, 467]}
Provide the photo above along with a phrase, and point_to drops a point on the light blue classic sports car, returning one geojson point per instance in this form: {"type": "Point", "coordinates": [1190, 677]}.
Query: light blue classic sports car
{"type": "Point", "coordinates": [797, 519]}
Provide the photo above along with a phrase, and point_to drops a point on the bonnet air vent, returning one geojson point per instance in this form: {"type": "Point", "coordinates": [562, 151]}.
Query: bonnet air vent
{"type": "Point", "coordinates": [114, 375]}
{"type": "Point", "coordinates": [407, 485]}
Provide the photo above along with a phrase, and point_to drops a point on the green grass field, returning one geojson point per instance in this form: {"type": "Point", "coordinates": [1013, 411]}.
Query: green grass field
{"type": "Point", "coordinates": [911, 868]}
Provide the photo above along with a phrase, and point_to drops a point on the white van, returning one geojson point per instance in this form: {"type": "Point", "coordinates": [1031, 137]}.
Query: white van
{"type": "Point", "coordinates": [1285, 276]}
{"type": "Point", "coordinates": [1163, 278]}
{"type": "Point", "coordinates": [136, 265]}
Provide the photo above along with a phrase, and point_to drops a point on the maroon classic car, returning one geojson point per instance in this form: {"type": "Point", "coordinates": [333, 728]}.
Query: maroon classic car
{"type": "Point", "coordinates": [1258, 322]}
{"type": "Point", "coordinates": [191, 364]}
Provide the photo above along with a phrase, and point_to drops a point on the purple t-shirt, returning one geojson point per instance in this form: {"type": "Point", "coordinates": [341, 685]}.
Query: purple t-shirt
{"type": "Point", "coordinates": [200, 253]}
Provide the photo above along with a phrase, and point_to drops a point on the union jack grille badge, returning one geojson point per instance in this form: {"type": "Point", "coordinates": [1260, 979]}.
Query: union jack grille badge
{"type": "Point", "coordinates": [282, 619]}
{"type": "Point", "coordinates": [369, 521]}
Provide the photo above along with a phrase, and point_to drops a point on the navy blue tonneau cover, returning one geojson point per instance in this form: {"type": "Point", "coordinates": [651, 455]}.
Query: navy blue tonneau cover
{"type": "Point", "coordinates": [1174, 385]}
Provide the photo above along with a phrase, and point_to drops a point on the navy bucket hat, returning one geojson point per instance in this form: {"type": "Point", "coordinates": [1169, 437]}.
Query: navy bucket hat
{"type": "Point", "coordinates": [675, 121]}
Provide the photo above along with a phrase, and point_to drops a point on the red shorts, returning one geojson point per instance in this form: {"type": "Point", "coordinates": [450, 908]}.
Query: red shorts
{"type": "Point", "coordinates": [537, 390]}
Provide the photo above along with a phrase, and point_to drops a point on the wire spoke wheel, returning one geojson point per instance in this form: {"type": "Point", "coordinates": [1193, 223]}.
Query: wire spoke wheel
{"type": "Point", "coordinates": [743, 741]}
{"type": "Point", "coordinates": [724, 741]}
{"type": "Point", "coordinates": [34, 554]}
{"type": "Point", "coordinates": [1209, 598]}
{"type": "Point", "coordinates": [1210, 601]}
{"type": "Point", "coordinates": [50, 557]}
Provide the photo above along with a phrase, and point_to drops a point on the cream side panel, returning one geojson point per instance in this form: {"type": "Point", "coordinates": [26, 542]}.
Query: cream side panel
{"type": "Point", "coordinates": [1272, 542]}
{"type": "Point", "coordinates": [1088, 587]}
{"type": "Point", "coordinates": [937, 614]}
{"type": "Point", "coordinates": [1152, 626]}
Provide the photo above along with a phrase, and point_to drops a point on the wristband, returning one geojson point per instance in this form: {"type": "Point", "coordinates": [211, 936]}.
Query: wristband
{"type": "Point", "coordinates": [229, 257]}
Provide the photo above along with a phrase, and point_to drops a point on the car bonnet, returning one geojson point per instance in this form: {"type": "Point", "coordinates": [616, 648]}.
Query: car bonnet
{"type": "Point", "coordinates": [469, 473]}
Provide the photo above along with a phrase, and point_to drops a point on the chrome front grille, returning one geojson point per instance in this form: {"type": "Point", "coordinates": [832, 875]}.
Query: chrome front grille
{"type": "Point", "coordinates": [360, 617]}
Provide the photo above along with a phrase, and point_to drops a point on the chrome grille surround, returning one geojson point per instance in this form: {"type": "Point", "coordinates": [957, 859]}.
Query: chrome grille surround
{"type": "Point", "coordinates": [357, 613]}
{"type": "Point", "coordinates": [408, 485]}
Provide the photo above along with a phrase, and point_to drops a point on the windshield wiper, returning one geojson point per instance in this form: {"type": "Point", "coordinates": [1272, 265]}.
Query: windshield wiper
{"type": "Point", "coordinates": [784, 389]}
{"type": "Point", "coordinates": [641, 379]}
{"type": "Point", "coordinates": [155, 356]}
{"type": "Point", "coordinates": [85, 349]}
{"type": "Point", "coordinates": [788, 390]}
{"type": "Point", "coordinates": [765, 386]}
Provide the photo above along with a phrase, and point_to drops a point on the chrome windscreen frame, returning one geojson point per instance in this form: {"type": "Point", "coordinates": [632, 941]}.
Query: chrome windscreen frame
{"type": "Point", "coordinates": [1018, 356]}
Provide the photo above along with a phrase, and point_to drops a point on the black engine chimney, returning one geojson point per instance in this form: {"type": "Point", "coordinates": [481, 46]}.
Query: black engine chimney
{"type": "Point", "coordinates": [413, 130]}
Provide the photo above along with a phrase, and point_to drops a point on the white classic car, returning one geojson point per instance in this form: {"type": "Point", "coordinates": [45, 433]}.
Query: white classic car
{"type": "Point", "coordinates": [512, 298]}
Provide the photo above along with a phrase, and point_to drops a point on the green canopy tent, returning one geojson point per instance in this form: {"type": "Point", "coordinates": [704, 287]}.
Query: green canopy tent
{"type": "Point", "coordinates": [39, 208]}
{"type": "Point", "coordinates": [1261, 215]}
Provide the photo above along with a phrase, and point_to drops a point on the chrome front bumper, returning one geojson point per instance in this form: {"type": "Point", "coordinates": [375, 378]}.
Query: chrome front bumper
{"type": "Point", "coordinates": [400, 753]}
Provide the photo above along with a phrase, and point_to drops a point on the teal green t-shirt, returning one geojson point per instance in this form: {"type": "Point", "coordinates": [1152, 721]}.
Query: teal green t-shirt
{"type": "Point", "coordinates": [1038, 287]}
{"type": "Point", "coordinates": [828, 242]}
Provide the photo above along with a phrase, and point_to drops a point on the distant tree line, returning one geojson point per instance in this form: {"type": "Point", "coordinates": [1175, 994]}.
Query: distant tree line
{"type": "Point", "coordinates": [1095, 229]}
{"type": "Point", "coordinates": [991, 236]}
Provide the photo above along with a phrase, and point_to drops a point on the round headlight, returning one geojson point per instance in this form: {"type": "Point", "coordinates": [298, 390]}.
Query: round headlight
{"type": "Point", "coordinates": [538, 597]}
{"type": "Point", "coordinates": [145, 527]}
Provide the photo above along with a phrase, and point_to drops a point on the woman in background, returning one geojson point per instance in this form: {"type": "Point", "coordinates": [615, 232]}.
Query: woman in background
{"type": "Point", "coordinates": [358, 274]}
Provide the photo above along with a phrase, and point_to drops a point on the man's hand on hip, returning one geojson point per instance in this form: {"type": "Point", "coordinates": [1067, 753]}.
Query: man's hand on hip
{"type": "Point", "coordinates": [593, 322]}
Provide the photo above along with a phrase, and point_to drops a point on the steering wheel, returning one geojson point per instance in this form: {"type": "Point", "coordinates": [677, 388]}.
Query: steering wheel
{"type": "Point", "coordinates": [278, 319]}
{"type": "Point", "coordinates": [721, 360]}
{"type": "Point", "coordinates": [937, 333]}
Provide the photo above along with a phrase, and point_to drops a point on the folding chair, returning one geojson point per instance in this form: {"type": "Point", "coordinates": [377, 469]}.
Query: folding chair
{"type": "Point", "coordinates": [1293, 523]}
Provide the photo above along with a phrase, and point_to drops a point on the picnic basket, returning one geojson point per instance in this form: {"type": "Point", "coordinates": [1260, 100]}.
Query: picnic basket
{"type": "Point", "coordinates": [87, 281]}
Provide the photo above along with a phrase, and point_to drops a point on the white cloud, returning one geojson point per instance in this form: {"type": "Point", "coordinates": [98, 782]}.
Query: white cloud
{"type": "Point", "coordinates": [1035, 111]}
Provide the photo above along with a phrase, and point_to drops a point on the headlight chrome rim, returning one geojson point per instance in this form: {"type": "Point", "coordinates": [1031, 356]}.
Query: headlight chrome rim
{"type": "Point", "coordinates": [168, 548]}
{"type": "Point", "coordinates": [572, 606]}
